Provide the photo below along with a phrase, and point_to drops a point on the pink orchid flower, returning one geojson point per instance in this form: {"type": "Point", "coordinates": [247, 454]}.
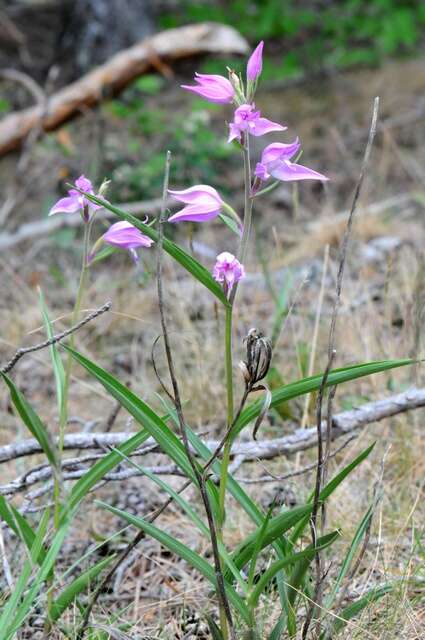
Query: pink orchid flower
{"type": "Point", "coordinates": [227, 271]}
{"type": "Point", "coordinates": [255, 63]}
{"type": "Point", "coordinates": [203, 203]}
{"type": "Point", "coordinates": [75, 202]}
{"type": "Point", "coordinates": [247, 119]}
{"type": "Point", "coordinates": [124, 235]}
{"type": "Point", "coordinates": [213, 88]}
{"type": "Point", "coordinates": [276, 163]}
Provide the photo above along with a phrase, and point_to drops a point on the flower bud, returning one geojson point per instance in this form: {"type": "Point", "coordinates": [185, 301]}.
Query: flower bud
{"type": "Point", "coordinates": [258, 357]}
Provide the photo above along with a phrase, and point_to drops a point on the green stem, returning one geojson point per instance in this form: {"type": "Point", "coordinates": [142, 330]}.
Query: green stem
{"type": "Point", "coordinates": [230, 410]}
{"type": "Point", "coordinates": [63, 418]}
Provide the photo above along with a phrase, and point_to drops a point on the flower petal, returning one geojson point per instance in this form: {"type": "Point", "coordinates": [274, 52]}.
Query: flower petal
{"type": "Point", "coordinates": [288, 171]}
{"type": "Point", "coordinates": [195, 213]}
{"type": "Point", "coordinates": [194, 194]}
{"type": "Point", "coordinates": [126, 236]}
{"type": "Point", "coordinates": [280, 151]}
{"type": "Point", "coordinates": [69, 204]}
{"type": "Point", "coordinates": [263, 125]}
{"type": "Point", "coordinates": [255, 63]}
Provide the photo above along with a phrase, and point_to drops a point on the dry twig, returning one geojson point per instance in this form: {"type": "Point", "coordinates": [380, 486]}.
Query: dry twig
{"type": "Point", "coordinates": [55, 339]}
{"type": "Point", "coordinates": [323, 455]}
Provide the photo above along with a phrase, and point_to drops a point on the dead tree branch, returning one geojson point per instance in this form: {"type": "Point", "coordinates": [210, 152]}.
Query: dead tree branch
{"type": "Point", "coordinates": [113, 76]}
{"type": "Point", "coordinates": [301, 439]}
{"type": "Point", "coordinates": [57, 338]}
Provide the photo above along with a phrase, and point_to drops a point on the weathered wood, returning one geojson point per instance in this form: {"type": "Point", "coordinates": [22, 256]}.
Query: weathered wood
{"type": "Point", "coordinates": [111, 77]}
{"type": "Point", "coordinates": [343, 423]}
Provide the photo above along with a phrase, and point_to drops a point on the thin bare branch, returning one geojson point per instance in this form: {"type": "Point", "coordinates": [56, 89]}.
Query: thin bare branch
{"type": "Point", "coordinates": [56, 338]}
{"type": "Point", "coordinates": [301, 439]}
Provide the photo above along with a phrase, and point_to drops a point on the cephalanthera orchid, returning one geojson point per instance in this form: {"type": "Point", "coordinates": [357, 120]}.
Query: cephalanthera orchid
{"type": "Point", "coordinates": [228, 271]}
{"type": "Point", "coordinates": [76, 202]}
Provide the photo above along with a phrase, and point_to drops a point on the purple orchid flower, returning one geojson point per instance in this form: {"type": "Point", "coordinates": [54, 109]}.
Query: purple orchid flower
{"type": "Point", "coordinates": [203, 203]}
{"type": "Point", "coordinates": [227, 271]}
{"type": "Point", "coordinates": [214, 88]}
{"type": "Point", "coordinates": [124, 235]}
{"type": "Point", "coordinates": [249, 120]}
{"type": "Point", "coordinates": [276, 163]}
{"type": "Point", "coordinates": [255, 63]}
{"type": "Point", "coordinates": [75, 202]}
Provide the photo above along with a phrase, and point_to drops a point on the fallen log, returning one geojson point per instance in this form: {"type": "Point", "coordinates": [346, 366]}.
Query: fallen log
{"type": "Point", "coordinates": [342, 424]}
{"type": "Point", "coordinates": [110, 78]}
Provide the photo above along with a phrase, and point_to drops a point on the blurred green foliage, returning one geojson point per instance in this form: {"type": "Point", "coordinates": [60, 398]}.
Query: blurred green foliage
{"type": "Point", "coordinates": [196, 150]}
{"type": "Point", "coordinates": [312, 34]}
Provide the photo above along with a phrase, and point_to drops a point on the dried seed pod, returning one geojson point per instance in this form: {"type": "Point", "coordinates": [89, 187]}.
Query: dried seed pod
{"type": "Point", "coordinates": [258, 357]}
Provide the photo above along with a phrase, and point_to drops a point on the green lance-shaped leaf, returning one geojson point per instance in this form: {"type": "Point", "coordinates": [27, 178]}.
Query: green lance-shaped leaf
{"type": "Point", "coordinates": [301, 560]}
{"type": "Point", "coordinates": [331, 486]}
{"type": "Point", "coordinates": [32, 421]}
{"type": "Point", "coordinates": [184, 552]}
{"type": "Point", "coordinates": [168, 442]}
{"type": "Point", "coordinates": [277, 526]}
{"type": "Point", "coordinates": [312, 383]}
{"type": "Point", "coordinates": [354, 609]}
{"type": "Point", "coordinates": [357, 538]}
{"type": "Point", "coordinates": [58, 368]}
{"type": "Point", "coordinates": [77, 586]}
{"type": "Point", "coordinates": [19, 613]}
{"type": "Point", "coordinates": [19, 526]}
{"type": "Point", "coordinates": [195, 268]}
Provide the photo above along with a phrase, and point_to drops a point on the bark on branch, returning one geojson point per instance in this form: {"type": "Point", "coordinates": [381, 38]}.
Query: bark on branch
{"type": "Point", "coordinates": [343, 423]}
{"type": "Point", "coordinates": [110, 78]}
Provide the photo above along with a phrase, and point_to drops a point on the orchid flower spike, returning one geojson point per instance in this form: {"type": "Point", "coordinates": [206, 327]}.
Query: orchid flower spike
{"type": "Point", "coordinates": [203, 203]}
{"type": "Point", "coordinates": [247, 119]}
{"type": "Point", "coordinates": [228, 271]}
{"type": "Point", "coordinates": [124, 235]}
{"type": "Point", "coordinates": [213, 88]}
{"type": "Point", "coordinates": [255, 64]}
{"type": "Point", "coordinates": [75, 202]}
{"type": "Point", "coordinates": [276, 162]}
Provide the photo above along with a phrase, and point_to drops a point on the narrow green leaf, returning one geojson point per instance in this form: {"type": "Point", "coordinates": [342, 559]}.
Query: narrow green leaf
{"type": "Point", "coordinates": [19, 526]}
{"type": "Point", "coordinates": [81, 583]}
{"type": "Point", "coordinates": [277, 526]}
{"type": "Point", "coordinates": [184, 259]}
{"type": "Point", "coordinates": [181, 550]}
{"type": "Point", "coordinates": [191, 513]}
{"type": "Point", "coordinates": [95, 474]}
{"type": "Point", "coordinates": [32, 421]}
{"type": "Point", "coordinates": [230, 223]}
{"type": "Point", "coordinates": [361, 530]}
{"type": "Point", "coordinates": [260, 543]}
{"type": "Point", "coordinates": [58, 368]}
{"type": "Point", "coordinates": [214, 630]}
{"type": "Point", "coordinates": [307, 385]}
{"type": "Point", "coordinates": [302, 561]}
{"type": "Point", "coordinates": [9, 613]}
{"type": "Point", "coordinates": [330, 488]}
{"type": "Point", "coordinates": [355, 608]}
{"type": "Point", "coordinates": [45, 569]}
{"type": "Point", "coordinates": [145, 416]}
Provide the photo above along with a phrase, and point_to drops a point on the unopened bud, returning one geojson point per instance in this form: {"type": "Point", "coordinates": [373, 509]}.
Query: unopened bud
{"type": "Point", "coordinates": [258, 357]}
{"type": "Point", "coordinates": [104, 187]}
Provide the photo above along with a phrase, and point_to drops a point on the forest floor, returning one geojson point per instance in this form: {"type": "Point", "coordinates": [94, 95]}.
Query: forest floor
{"type": "Point", "coordinates": [381, 317]}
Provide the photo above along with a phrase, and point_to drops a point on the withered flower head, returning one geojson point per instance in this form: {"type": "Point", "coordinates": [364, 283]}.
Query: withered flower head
{"type": "Point", "coordinates": [258, 357]}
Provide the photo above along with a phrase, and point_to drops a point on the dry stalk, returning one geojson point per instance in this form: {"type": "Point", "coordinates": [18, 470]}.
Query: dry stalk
{"type": "Point", "coordinates": [323, 456]}
{"type": "Point", "coordinates": [56, 338]}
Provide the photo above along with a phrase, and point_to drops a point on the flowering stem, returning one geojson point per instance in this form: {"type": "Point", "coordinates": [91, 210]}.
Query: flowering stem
{"type": "Point", "coordinates": [248, 203]}
{"type": "Point", "coordinates": [228, 332]}
{"type": "Point", "coordinates": [63, 418]}
{"type": "Point", "coordinates": [229, 388]}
